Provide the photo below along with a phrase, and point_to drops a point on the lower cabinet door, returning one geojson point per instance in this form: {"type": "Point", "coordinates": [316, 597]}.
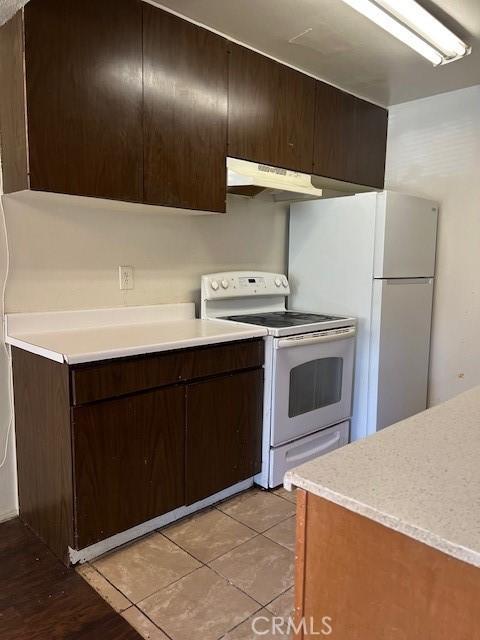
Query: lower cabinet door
{"type": "Point", "coordinates": [128, 462]}
{"type": "Point", "coordinates": [224, 432]}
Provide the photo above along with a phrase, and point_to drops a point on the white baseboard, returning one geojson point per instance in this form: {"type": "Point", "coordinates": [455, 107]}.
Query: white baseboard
{"type": "Point", "coordinates": [8, 515]}
{"type": "Point", "coordinates": [95, 550]}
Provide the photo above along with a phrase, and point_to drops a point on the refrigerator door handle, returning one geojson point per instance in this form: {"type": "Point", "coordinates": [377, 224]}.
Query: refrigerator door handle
{"type": "Point", "coordinates": [409, 280]}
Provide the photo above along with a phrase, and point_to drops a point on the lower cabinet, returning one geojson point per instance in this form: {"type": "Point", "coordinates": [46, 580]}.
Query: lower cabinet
{"type": "Point", "coordinates": [105, 446]}
{"type": "Point", "coordinates": [223, 440]}
{"type": "Point", "coordinates": [128, 463]}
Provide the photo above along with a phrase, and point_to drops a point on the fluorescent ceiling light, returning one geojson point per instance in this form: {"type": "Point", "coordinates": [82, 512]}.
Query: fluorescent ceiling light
{"type": "Point", "coordinates": [427, 26]}
{"type": "Point", "coordinates": [407, 21]}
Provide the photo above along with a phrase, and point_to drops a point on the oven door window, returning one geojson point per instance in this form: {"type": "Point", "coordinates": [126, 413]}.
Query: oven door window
{"type": "Point", "coordinates": [315, 384]}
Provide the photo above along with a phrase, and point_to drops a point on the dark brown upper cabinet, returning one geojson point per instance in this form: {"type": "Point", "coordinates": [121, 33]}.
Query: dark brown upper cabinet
{"type": "Point", "coordinates": [271, 111]}
{"type": "Point", "coordinates": [83, 65]}
{"type": "Point", "coordinates": [119, 99]}
{"type": "Point", "coordinates": [186, 108]}
{"type": "Point", "coordinates": [350, 138]}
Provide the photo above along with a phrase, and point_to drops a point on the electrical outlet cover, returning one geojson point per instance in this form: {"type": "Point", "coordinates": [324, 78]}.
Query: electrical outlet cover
{"type": "Point", "coordinates": [125, 274]}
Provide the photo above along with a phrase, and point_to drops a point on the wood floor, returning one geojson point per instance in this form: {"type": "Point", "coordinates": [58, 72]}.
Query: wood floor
{"type": "Point", "coordinates": [40, 599]}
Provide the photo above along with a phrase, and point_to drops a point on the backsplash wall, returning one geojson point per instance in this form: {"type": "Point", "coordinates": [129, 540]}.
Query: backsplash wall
{"type": "Point", "coordinates": [68, 258]}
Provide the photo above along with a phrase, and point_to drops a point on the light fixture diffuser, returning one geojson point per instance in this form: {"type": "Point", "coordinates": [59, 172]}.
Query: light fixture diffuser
{"type": "Point", "coordinates": [410, 23]}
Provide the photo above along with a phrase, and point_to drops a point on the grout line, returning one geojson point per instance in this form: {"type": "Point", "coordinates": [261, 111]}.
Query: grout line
{"type": "Point", "coordinates": [153, 622]}
{"type": "Point", "coordinates": [166, 586]}
{"type": "Point", "coordinates": [205, 562]}
{"type": "Point", "coordinates": [236, 587]}
{"type": "Point", "coordinates": [279, 596]}
{"type": "Point", "coordinates": [267, 529]}
{"type": "Point", "coordinates": [153, 592]}
{"type": "Point", "coordinates": [284, 498]}
{"type": "Point", "coordinates": [245, 592]}
{"type": "Point", "coordinates": [277, 523]}
{"type": "Point", "coordinates": [109, 582]}
{"type": "Point", "coordinates": [262, 606]}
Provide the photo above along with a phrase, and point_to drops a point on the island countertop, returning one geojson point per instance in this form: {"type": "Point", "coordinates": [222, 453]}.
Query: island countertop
{"type": "Point", "coordinates": [420, 477]}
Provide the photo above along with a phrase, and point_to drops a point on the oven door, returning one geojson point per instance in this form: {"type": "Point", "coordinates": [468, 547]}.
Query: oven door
{"type": "Point", "coordinates": [312, 382]}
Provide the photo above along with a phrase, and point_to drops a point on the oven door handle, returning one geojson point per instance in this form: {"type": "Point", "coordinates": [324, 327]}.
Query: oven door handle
{"type": "Point", "coordinates": [305, 340]}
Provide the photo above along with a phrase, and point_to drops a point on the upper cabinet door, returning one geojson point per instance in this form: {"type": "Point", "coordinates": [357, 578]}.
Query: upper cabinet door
{"type": "Point", "coordinates": [84, 97]}
{"type": "Point", "coordinates": [186, 108]}
{"type": "Point", "coordinates": [271, 111]}
{"type": "Point", "coordinates": [350, 138]}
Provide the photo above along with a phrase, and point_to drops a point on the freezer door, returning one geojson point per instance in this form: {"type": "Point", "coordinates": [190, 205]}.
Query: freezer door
{"type": "Point", "coordinates": [405, 236]}
{"type": "Point", "coordinates": [400, 350]}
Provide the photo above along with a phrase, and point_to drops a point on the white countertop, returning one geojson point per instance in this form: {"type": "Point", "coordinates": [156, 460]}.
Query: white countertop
{"type": "Point", "coordinates": [91, 335]}
{"type": "Point", "coordinates": [420, 477]}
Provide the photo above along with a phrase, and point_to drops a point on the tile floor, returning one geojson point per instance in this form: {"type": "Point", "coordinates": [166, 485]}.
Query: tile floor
{"type": "Point", "coordinates": [206, 576]}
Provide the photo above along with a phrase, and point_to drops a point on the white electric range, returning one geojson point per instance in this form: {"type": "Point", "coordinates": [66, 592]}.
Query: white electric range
{"type": "Point", "coordinates": [309, 362]}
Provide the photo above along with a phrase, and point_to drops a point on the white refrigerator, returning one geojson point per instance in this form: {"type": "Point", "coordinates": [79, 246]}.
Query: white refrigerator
{"type": "Point", "coordinates": [372, 256]}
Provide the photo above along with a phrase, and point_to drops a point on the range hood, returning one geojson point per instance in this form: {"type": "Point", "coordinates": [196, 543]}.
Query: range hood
{"type": "Point", "coordinates": [249, 179]}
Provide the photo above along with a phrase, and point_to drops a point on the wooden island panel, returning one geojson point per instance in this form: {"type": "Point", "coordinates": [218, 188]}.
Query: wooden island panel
{"type": "Point", "coordinates": [376, 583]}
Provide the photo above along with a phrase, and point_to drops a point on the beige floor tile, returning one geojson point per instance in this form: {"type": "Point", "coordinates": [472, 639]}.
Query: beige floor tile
{"type": "Point", "coordinates": [260, 626]}
{"type": "Point", "coordinates": [259, 510]}
{"type": "Point", "coordinates": [209, 534]}
{"type": "Point", "coordinates": [291, 496]}
{"type": "Point", "coordinates": [201, 605]}
{"type": "Point", "coordinates": [284, 605]}
{"type": "Point", "coordinates": [146, 566]}
{"type": "Point", "coordinates": [107, 591]}
{"type": "Point", "coordinates": [283, 533]}
{"type": "Point", "coordinates": [260, 567]}
{"type": "Point", "coordinates": [143, 625]}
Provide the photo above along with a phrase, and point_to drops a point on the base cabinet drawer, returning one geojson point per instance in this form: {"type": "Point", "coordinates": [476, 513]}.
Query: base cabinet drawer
{"type": "Point", "coordinates": [113, 378]}
{"type": "Point", "coordinates": [128, 462]}
{"type": "Point", "coordinates": [224, 430]}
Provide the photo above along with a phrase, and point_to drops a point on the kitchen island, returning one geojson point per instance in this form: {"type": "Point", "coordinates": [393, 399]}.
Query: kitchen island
{"type": "Point", "coordinates": [388, 530]}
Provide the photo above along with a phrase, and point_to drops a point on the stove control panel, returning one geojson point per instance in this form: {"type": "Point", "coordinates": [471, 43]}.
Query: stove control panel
{"type": "Point", "coordinates": [240, 284]}
{"type": "Point", "coordinates": [252, 282]}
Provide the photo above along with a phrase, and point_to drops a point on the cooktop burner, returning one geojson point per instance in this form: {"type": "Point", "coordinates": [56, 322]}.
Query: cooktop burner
{"type": "Point", "coordinates": [279, 319]}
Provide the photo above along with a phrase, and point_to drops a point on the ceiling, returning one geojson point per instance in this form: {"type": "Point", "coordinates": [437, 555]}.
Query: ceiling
{"type": "Point", "coordinates": [341, 46]}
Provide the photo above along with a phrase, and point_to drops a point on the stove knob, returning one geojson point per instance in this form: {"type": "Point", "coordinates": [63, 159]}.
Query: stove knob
{"type": "Point", "coordinates": [214, 285]}
{"type": "Point", "coordinates": [278, 282]}
{"type": "Point", "coordinates": [225, 284]}
{"type": "Point", "coordinates": [285, 282]}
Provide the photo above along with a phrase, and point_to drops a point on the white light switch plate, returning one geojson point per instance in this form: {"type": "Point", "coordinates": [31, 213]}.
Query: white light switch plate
{"type": "Point", "coordinates": [125, 274]}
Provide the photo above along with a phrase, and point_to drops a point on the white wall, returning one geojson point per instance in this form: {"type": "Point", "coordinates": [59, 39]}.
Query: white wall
{"type": "Point", "coordinates": [66, 256]}
{"type": "Point", "coordinates": [434, 151]}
